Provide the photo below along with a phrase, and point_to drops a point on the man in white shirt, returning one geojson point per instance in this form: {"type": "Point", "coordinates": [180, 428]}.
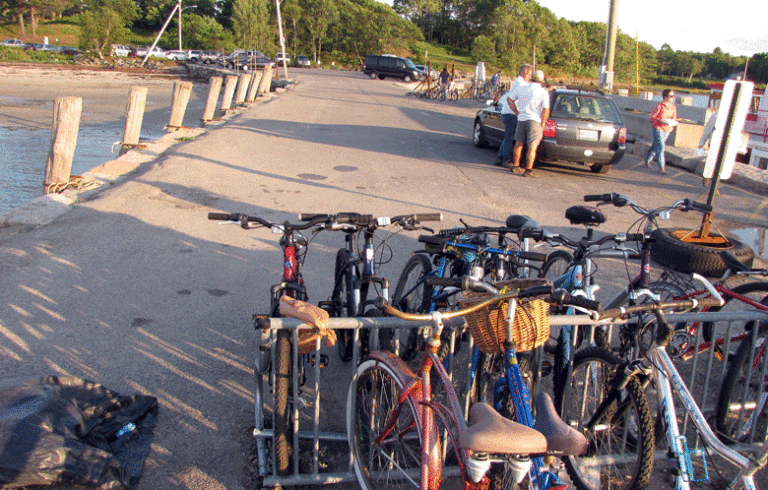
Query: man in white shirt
{"type": "Point", "coordinates": [508, 116]}
{"type": "Point", "coordinates": [531, 104]}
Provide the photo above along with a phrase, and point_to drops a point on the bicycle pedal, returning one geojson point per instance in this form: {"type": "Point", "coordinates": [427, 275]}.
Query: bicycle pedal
{"type": "Point", "coordinates": [546, 368]}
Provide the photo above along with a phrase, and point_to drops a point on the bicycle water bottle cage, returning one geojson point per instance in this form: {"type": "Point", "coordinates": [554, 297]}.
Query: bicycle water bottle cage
{"type": "Point", "coordinates": [519, 221]}
{"type": "Point", "coordinates": [583, 215]}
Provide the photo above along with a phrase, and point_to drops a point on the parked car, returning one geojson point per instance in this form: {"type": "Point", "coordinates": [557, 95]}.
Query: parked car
{"type": "Point", "coordinates": [390, 66]}
{"type": "Point", "coordinates": [141, 51]}
{"type": "Point", "coordinates": [14, 43]}
{"type": "Point", "coordinates": [282, 59]}
{"type": "Point", "coordinates": [245, 61]}
{"type": "Point", "coordinates": [434, 74]}
{"type": "Point", "coordinates": [583, 127]}
{"type": "Point", "coordinates": [303, 61]}
{"type": "Point", "coordinates": [203, 56]}
{"type": "Point", "coordinates": [120, 50]}
{"type": "Point", "coordinates": [69, 50]}
{"type": "Point", "coordinates": [38, 47]}
{"type": "Point", "coordinates": [177, 55]}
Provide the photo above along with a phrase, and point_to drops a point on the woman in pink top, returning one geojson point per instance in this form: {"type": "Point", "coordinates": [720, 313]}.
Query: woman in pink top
{"type": "Point", "coordinates": [661, 117]}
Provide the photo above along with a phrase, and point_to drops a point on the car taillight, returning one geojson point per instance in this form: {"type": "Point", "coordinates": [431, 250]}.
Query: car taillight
{"type": "Point", "coordinates": [550, 129]}
{"type": "Point", "coordinates": [622, 135]}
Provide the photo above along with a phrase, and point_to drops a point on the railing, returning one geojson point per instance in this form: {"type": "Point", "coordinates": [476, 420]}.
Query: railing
{"type": "Point", "coordinates": [321, 402]}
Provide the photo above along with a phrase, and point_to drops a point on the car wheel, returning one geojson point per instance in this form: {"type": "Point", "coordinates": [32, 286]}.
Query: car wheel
{"type": "Point", "coordinates": [600, 169]}
{"type": "Point", "coordinates": [478, 135]}
{"type": "Point", "coordinates": [231, 66]}
{"type": "Point", "coordinates": [407, 79]}
{"type": "Point", "coordinates": [373, 75]}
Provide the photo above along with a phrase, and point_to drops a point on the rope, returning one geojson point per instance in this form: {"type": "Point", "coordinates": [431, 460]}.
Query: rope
{"type": "Point", "coordinates": [75, 182]}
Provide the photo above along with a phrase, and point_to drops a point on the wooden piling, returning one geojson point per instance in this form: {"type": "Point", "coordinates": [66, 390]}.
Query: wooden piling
{"type": "Point", "coordinates": [66, 124]}
{"type": "Point", "coordinates": [266, 80]}
{"type": "Point", "coordinates": [134, 115]}
{"type": "Point", "coordinates": [254, 85]}
{"type": "Point", "coordinates": [181, 93]}
{"type": "Point", "coordinates": [214, 89]}
{"type": "Point", "coordinates": [229, 92]}
{"type": "Point", "coordinates": [242, 87]}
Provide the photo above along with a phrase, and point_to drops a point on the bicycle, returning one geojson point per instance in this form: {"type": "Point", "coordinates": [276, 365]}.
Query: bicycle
{"type": "Point", "coordinates": [448, 92]}
{"type": "Point", "coordinates": [391, 413]}
{"type": "Point", "coordinates": [459, 251]}
{"type": "Point", "coordinates": [355, 272]}
{"type": "Point", "coordinates": [294, 246]}
{"type": "Point", "coordinates": [601, 383]}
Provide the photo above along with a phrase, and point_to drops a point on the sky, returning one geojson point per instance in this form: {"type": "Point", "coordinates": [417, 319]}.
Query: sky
{"type": "Point", "coordinates": [739, 29]}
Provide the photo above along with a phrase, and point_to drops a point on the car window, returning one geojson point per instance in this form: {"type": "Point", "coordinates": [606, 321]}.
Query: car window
{"type": "Point", "coordinates": [409, 63]}
{"type": "Point", "coordinates": [586, 107]}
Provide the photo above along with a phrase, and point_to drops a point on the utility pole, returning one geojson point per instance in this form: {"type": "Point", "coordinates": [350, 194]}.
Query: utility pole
{"type": "Point", "coordinates": [606, 77]}
{"type": "Point", "coordinates": [282, 42]}
{"type": "Point", "coordinates": [179, 7]}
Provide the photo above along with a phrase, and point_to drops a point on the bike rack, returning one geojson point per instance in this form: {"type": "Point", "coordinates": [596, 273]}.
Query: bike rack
{"type": "Point", "coordinates": [312, 412]}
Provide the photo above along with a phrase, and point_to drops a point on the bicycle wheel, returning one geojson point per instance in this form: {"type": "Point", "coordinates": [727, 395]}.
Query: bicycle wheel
{"type": "Point", "coordinates": [741, 406]}
{"type": "Point", "coordinates": [412, 295]}
{"type": "Point", "coordinates": [283, 428]}
{"type": "Point", "coordinates": [341, 303]}
{"type": "Point", "coordinates": [454, 95]}
{"type": "Point", "coordinates": [556, 265]}
{"type": "Point", "coordinates": [395, 462]}
{"type": "Point", "coordinates": [621, 442]}
{"type": "Point", "coordinates": [756, 291]}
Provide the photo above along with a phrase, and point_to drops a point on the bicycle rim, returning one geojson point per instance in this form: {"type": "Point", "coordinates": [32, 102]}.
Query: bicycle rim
{"type": "Point", "coordinates": [395, 463]}
{"type": "Point", "coordinates": [621, 443]}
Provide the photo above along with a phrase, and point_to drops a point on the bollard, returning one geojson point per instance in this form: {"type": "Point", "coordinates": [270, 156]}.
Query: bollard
{"type": "Point", "coordinates": [624, 92]}
{"type": "Point", "coordinates": [646, 95]}
{"type": "Point", "coordinates": [254, 85]}
{"type": "Point", "coordinates": [242, 87]}
{"type": "Point", "coordinates": [686, 100]}
{"type": "Point", "coordinates": [214, 89]}
{"type": "Point", "coordinates": [134, 116]}
{"type": "Point", "coordinates": [229, 92]}
{"type": "Point", "coordinates": [66, 124]}
{"type": "Point", "coordinates": [266, 81]}
{"type": "Point", "coordinates": [181, 93]}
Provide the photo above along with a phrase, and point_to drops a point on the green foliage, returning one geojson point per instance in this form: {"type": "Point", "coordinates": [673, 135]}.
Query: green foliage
{"type": "Point", "coordinates": [483, 49]}
{"type": "Point", "coordinates": [250, 23]}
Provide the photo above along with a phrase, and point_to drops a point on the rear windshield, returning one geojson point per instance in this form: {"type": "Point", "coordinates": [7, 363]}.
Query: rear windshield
{"type": "Point", "coordinates": [586, 107]}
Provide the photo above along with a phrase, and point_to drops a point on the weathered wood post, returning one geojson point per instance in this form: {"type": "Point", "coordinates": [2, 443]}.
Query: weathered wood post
{"type": "Point", "coordinates": [229, 92]}
{"type": "Point", "coordinates": [66, 124]}
{"type": "Point", "coordinates": [266, 80]}
{"type": "Point", "coordinates": [254, 85]}
{"type": "Point", "coordinates": [242, 87]}
{"type": "Point", "coordinates": [181, 93]}
{"type": "Point", "coordinates": [134, 115]}
{"type": "Point", "coordinates": [214, 89]}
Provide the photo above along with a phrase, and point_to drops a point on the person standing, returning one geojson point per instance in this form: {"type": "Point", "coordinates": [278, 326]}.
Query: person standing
{"type": "Point", "coordinates": [495, 79]}
{"type": "Point", "coordinates": [663, 120]}
{"type": "Point", "coordinates": [532, 109]}
{"type": "Point", "coordinates": [509, 116]}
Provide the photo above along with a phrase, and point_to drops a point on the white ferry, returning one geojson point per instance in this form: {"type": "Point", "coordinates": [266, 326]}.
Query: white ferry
{"type": "Point", "coordinates": [756, 125]}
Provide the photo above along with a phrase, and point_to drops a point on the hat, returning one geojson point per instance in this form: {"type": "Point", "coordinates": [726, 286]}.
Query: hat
{"type": "Point", "coordinates": [538, 76]}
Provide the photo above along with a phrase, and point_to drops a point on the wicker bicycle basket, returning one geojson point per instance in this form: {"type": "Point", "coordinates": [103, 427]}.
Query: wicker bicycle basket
{"type": "Point", "coordinates": [487, 325]}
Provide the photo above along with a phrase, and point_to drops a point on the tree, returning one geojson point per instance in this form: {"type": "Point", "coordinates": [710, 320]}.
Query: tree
{"type": "Point", "coordinates": [483, 49]}
{"type": "Point", "coordinates": [317, 24]}
{"type": "Point", "coordinates": [106, 22]}
{"type": "Point", "coordinates": [250, 23]}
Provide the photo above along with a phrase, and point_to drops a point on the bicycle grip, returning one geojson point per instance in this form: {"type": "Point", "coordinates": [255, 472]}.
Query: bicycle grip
{"type": "Point", "coordinates": [700, 206]}
{"type": "Point", "coordinates": [536, 233]}
{"type": "Point", "coordinates": [221, 216]}
{"type": "Point", "coordinates": [445, 281]}
{"type": "Point", "coordinates": [311, 216]}
{"type": "Point", "coordinates": [428, 217]}
{"type": "Point", "coordinates": [459, 230]}
{"type": "Point", "coordinates": [597, 197]}
{"type": "Point", "coordinates": [534, 256]}
{"type": "Point", "coordinates": [562, 297]}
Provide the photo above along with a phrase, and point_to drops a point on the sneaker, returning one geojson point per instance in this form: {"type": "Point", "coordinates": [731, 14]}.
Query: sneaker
{"type": "Point", "coordinates": [663, 170]}
{"type": "Point", "coordinates": [647, 164]}
{"type": "Point", "coordinates": [529, 173]}
{"type": "Point", "coordinates": [516, 170]}
{"type": "Point", "coordinates": [497, 162]}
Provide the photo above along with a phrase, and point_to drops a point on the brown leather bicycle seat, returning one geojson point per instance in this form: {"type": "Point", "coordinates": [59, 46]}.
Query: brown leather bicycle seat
{"type": "Point", "coordinates": [489, 432]}
{"type": "Point", "coordinates": [561, 438]}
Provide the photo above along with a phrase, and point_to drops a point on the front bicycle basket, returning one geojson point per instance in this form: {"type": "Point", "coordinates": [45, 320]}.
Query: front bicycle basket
{"type": "Point", "coordinates": [487, 325]}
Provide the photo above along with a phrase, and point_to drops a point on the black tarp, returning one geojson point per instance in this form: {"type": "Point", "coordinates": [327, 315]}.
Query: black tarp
{"type": "Point", "coordinates": [68, 430]}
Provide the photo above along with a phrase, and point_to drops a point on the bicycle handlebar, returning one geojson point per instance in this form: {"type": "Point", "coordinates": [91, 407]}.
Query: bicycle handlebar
{"type": "Point", "coordinates": [620, 200]}
{"type": "Point", "coordinates": [246, 220]}
{"type": "Point", "coordinates": [441, 242]}
{"type": "Point", "coordinates": [366, 220]}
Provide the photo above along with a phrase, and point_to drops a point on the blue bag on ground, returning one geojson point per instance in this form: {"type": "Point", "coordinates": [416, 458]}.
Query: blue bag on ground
{"type": "Point", "coordinates": [68, 430]}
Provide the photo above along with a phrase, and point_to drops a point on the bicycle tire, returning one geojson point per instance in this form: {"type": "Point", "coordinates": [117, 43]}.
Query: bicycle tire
{"type": "Point", "coordinates": [556, 265]}
{"type": "Point", "coordinates": [454, 95]}
{"type": "Point", "coordinates": [756, 290]}
{"type": "Point", "coordinates": [341, 304]}
{"type": "Point", "coordinates": [417, 301]}
{"type": "Point", "coordinates": [386, 335]}
{"type": "Point", "coordinates": [629, 431]}
{"type": "Point", "coordinates": [735, 414]}
{"type": "Point", "coordinates": [372, 397]}
{"type": "Point", "coordinates": [283, 427]}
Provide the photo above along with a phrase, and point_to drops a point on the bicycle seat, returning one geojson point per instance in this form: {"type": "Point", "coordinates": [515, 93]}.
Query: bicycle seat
{"type": "Point", "coordinates": [561, 438]}
{"type": "Point", "coordinates": [489, 432]}
{"type": "Point", "coordinates": [583, 215]}
{"type": "Point", "coordinates": [519, 221]}
{"type": "Point", "coordinates": [732, 262]}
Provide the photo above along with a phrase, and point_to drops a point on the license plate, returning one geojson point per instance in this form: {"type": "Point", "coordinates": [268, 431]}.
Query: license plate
{"type": "Point", "coordinates": [587, 134]}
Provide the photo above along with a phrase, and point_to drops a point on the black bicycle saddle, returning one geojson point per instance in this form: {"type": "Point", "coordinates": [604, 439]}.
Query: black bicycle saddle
{"type": "Point", "coordinates": [519, 221]}
{"type": "Point", "coordinates": [584, 215]}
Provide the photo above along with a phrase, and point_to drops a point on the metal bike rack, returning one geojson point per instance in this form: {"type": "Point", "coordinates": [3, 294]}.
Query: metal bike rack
{"type": "Point", "coordinates": [299, 474]}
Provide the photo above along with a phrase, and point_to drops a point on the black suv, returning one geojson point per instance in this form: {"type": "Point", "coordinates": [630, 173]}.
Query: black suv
{"type": "Point", "coordinates": [390, 66]}
{"type": "Point", "coordinates": [583, 127]}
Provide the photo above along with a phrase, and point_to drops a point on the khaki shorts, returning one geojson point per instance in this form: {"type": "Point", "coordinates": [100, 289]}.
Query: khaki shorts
{"type": "Point", "coordinates": [529, 132]}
